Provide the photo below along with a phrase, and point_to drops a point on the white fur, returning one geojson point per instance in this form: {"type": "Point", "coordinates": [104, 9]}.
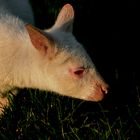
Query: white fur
{"type": "Point", "coordinates": [12, 35]}
{"type": "Point", "coordinates": [25, 63]}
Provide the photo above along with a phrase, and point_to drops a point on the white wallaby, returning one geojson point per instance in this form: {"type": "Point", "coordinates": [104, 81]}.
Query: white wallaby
{"type": "Point", "coordinates": [50, 60]}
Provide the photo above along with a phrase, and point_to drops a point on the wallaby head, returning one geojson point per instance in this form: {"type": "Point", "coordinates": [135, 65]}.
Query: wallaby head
{"type": "Point", "coordinates": [65, 67]}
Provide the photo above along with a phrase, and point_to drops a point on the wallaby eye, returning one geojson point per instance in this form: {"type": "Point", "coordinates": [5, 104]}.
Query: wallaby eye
{"type": "Point", "coordinates": [79, 71]}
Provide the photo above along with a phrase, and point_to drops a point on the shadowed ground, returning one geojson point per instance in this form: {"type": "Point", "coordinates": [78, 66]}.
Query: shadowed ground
{"type": "Point", "coordinates": [109, 33]}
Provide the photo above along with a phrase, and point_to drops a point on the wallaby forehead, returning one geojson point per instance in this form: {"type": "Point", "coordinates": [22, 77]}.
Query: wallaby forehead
{"type": "Point", "coordinates": [66, 41]}
{"type": "Point", "coordinates": [68, 44]}
{"type": "Point", "coordinates": [62, 37]}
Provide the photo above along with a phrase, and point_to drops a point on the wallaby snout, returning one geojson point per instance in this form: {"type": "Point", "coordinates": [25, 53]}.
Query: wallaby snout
{"type": "Point", "coordinates": [99, 92]}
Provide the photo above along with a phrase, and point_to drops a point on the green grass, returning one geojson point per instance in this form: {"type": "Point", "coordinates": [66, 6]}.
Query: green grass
{"type": "Point", "coordinates": [35, 115]}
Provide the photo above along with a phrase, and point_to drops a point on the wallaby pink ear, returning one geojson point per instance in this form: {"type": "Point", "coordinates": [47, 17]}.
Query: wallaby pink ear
{"type": "Point", "coordinates": [41, 41]}
{"type": "Point", "coordinates": [65, 18]}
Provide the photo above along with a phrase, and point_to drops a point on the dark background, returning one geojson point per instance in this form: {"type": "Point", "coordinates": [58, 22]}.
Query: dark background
{"type": "Point", "coordinates": [109, 32]}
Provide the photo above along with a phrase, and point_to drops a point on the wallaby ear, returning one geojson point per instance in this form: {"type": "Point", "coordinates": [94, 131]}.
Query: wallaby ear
{"type": "Point", "coordinates": [41, 41]}
{"type": "Point", "coordinates": [65, 18]}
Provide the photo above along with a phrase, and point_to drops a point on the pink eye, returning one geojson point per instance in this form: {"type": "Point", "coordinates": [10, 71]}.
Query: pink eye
{"type": "Point", "coordinates": [79, 71]}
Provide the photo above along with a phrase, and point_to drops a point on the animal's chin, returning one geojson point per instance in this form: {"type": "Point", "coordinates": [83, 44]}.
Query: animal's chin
{"type": "Point", "coordinates": [96, 96]}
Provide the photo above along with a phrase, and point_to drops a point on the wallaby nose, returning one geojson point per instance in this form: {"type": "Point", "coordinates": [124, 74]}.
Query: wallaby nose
{"type": "Point", "coordinates": [104, 88]}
